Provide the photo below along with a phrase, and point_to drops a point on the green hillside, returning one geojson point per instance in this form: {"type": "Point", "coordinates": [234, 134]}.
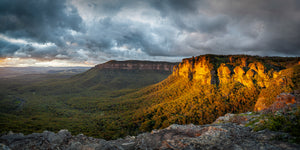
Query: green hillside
{"type": "Point", "coordinates": [206, 87]}
{"type": "Point", "coordinates": [31, 104]}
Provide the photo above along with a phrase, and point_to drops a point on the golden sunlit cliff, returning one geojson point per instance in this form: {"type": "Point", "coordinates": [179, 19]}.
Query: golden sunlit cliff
{"type": "Point", "coordinates": [205, 87]}
{"type": "Point", "coordinates": [249, 73]}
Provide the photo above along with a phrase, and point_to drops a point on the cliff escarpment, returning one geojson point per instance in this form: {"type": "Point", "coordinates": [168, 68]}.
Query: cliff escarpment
{"type": "Point", "coordinates": [249, 71]}
{"type": "Point", "coordinates": [205, 87]}
{"type": "Point", "coordinates": [137, 65]}
{"type": "Point", "coordinates": [129, 74]}
{"type": "Point", "coordinates": [261, 73]}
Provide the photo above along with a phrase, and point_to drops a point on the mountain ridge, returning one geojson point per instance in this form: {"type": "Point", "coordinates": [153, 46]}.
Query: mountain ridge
{"type": "Point", "coordinates": [137, 65]}
{"type": "Point", "coordinates": [204, 87]}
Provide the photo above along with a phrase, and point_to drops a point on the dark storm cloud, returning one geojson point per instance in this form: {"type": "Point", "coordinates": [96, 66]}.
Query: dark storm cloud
{"type": "Point", "coordinates": [158, 41]}
{"type": "Point", "coordinates": [194, 27]}
{"type": "Point", "coordinates": [254, 26]}
{"type": "Point", "coordinates": [275, 23]}
{"type": "Point", "coordinates": [7, 49]}
{"type": "Point", "coordinates": [39, 21]}
{"type": "Point", "coordinates": [133, 29]}
{"type": "Point", "coordinates": [187, 15]}
{"type": "Point", "coordinates": [109, 34]}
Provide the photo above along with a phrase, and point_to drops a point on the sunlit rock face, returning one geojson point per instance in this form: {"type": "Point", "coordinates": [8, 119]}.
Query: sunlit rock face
{"type": "Point", "coordinates": [224, 74]}
{"type": "Point", "coordinates": [184, 69]}
{"type": "Point", "coordinates": [279, 88]}
{"type": "Point", "coordinates": [267, 77]}
{"type": "Point", "coordinates": [282, 100]}
{"type": "Point", "coordinates": [262, 78]}
{"type": "Point", "coordinates": [196, 69]}
{"type": "Point", "coordinates": [239, 76]}
{"type": "Point", "coordinates": [260, 105]}
{"type": "Point", "coordinates": [246, 70]}
{"type": "Point", "coordinates": [256, 74]}
{"type": "Point", "coordinates": [202, 71]}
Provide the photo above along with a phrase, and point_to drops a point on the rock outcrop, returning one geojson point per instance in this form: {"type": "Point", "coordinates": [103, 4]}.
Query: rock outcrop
{"type": "Point", "coordinates": [224, 74]}
{"type": "Point", "coordinates": [137, 65]}
{"type": "Point", "coordinates": [215, 136]}
{"type": "Point", "coordinates": [198, 69]}
{"type": "Point", "coordinates": [284, 100]}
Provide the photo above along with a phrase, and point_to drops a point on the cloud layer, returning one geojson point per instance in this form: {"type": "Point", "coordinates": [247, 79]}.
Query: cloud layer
{"type": "Point", "coordinates": [94, 31]}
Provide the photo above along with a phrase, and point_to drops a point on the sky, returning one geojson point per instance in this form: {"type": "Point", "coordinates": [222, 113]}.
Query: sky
{"type": "Point", "coordinates": [89, 32]}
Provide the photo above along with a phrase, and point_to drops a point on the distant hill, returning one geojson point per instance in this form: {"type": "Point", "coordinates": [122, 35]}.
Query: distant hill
{"type": "Point", "coordinates": [7, 72]}
{"type": "Point", "coordinates": [137, 65]}
{"type": "Point", "coordinates": [109, 76]}
{"type": "Point", "coordinates": [124, 74]}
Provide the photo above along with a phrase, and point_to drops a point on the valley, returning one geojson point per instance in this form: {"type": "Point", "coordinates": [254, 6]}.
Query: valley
{"type": "Point", "coordinates": [117, 99]}
{"type": "Point", "coordinates": [52, 101]}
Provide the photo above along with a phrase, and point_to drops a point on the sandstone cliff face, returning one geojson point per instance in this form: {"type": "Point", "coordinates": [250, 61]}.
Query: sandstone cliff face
{"type": "Point", "coordinates": [269, 76]}
{"type": "Point", "coordinates": [137, 65]}
{"type": "Point", "coordinates": [202, 70]}
{"type": "Point", "coordinates": [224, 74]}
{"type": "Point", "coordinates": [196, 69]}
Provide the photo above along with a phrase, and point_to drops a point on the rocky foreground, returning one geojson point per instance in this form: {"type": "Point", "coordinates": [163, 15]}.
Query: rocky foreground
{"type": "Point", "coordinates": [232, 131]}
{"type": "Point", "coordinates": [223, 134]}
